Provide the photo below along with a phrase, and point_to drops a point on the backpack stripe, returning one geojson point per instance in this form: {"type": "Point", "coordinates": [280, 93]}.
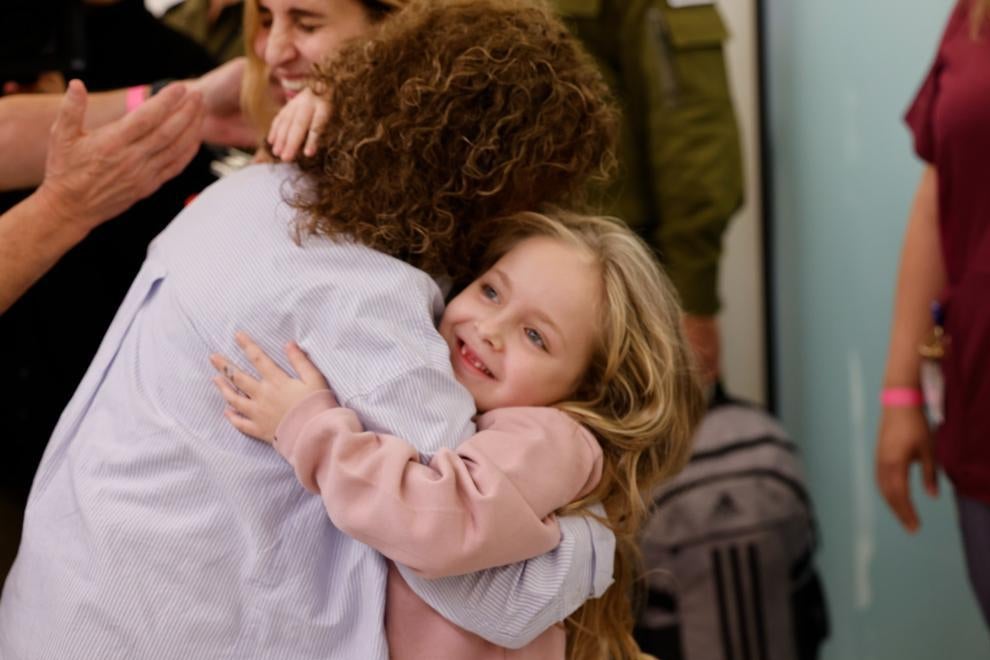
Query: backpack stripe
{"type": "Point", "coordinates": [793, 484]}
{"type": "Point", "coordinates": [741, 609]}
{"type": "Point", "coordinates": [723, 608]}
{"type": "Point", "coordinates": [752, 557]}
{"type": "Point", "coordinates": [742, 445]}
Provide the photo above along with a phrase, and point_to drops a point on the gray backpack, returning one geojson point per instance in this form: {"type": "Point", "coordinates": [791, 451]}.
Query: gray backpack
{"type": "Point", "coordinates": [728, 548]}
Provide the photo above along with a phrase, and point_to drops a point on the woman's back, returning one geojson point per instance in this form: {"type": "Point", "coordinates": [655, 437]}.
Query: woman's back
{"type": "Point", "coordinates": [152, 524]}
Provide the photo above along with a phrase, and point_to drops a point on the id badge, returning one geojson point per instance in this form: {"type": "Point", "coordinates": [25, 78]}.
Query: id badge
{"type": "Point", "coordinates": [931, 377]}
{"type": "Point", "coordinates": [933, 389]}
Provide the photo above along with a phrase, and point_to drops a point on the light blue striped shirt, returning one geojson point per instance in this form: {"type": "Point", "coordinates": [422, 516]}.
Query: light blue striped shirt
{"type": "Point", "coordinates": [156, 530]}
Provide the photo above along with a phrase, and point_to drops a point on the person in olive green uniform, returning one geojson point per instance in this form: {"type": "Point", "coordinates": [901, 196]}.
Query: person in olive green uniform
{"type": "Point", "coordinates": [680, 163]}
{"type": "Point", "coordinates": [214, 24]}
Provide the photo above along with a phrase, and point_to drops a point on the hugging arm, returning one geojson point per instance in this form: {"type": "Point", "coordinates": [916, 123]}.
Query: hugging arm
{"type": "Point", "coordinates": [508, 606]}
{"type": "Point", "coordinates": [453, 515]}
{"type": "Point", "coordinates": [512, 605]}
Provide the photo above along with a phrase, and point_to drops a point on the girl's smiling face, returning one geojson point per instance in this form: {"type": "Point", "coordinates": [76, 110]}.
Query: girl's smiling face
{"type": "Point", "coordinates": [523, 333]}
{"type": "Point", "coordinates": [293, 35]}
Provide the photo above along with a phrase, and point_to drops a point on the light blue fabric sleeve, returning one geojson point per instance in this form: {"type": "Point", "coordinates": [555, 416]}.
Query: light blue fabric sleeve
{"type": "Point", "coordinates": [424, 405]}
{"type": "Point", "coordinates": [512, 605]}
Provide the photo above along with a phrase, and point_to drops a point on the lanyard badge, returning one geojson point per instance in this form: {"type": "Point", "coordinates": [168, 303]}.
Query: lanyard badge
{"type": "Point", "coordinates": [932, 380]}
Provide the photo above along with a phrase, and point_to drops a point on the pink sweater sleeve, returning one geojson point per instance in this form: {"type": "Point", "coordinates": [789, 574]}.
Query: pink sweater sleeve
{"type": "Point", "coordinates": [486, 504]}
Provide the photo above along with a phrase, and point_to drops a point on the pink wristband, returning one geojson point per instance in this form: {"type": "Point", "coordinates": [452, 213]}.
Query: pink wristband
{"type": "Point", "coordinates": [135, 97]}
{"type": "Point", "coordinates": [901, 397]}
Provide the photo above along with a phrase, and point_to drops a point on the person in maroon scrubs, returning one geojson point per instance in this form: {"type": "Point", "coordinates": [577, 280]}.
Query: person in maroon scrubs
{"type": "Point", "coordinates": [946, 261]}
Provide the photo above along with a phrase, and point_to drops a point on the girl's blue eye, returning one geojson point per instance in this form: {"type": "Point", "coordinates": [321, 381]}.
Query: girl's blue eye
{"type": "Point", "coordinates": [488, 292]}
{"type": "Point", "coordinates": [536, 338]}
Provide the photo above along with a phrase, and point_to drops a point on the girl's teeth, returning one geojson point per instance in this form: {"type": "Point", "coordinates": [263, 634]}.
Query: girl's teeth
{"type": "Point", "coordinates": [475, 361]}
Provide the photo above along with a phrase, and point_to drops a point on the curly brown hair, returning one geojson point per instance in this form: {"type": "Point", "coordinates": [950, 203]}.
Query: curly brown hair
{"type": "Point", "coordinates": [450, 114]}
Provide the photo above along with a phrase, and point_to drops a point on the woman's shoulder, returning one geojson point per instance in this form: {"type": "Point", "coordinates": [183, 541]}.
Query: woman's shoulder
{"type": "Point", "coordinates": [255, 180]}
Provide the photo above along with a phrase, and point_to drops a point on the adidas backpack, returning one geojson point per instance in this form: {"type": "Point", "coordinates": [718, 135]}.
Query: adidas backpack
{"type": "Point", "coordinates": [728, 547]}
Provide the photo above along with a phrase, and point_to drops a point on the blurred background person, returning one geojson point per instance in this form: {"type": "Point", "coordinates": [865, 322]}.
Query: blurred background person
{"type": "Point", "coordinates": [946, 258]}
{"type": "Point", "coordinates": [681, 173]}
{"type": "Point", "coordinates": [679, 184]}
{"type": "Point", "coordinates": [214, 24]}
{"type": "Point", "coordinates": [49, 335]}
{"type": "Point", "coordinates": [90, 177]}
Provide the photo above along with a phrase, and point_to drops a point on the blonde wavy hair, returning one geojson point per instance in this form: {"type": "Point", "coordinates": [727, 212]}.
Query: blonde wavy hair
{"type": "Point", "coordinates": [451, 114]}
{"type": "Point", "coordinates": [257, 103]}
{"type": "Point", "coordinates": [640, 397]}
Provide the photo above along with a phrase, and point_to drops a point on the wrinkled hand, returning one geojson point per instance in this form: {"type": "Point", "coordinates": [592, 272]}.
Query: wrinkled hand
{"type": "Point", "coordinates": [299, 124]}
{"type": "Point", "coordinates": [702, 334]}
{"type": "Point", "coordinates": [904, 438]}
{"type": "Point", "coordinates": [93, 176]}
{"type": "Point", "coordinates": [257, 405]}
{"type": "Point", "coordinates": [225, 124]}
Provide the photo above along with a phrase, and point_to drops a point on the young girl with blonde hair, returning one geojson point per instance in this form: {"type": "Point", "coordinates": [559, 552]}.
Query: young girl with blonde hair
{"type": "Point", "coordinates": [571, 347]}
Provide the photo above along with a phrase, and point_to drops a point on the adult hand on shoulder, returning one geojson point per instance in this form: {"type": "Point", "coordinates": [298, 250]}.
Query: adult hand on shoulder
{"type": "Point", "coordinates": [702, 334]}
{"type": "Point", "coordinates": [225, 124]}
{"type": "Point", "coordinates": [92, 176]}
{"type": "Point", "coordinates": [904, 438]}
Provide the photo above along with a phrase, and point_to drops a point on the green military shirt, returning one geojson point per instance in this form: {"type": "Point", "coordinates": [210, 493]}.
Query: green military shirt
{"type": "Point", "coordinates": [222, 39]}
{"type": "Point", "coordinates": [680, 177]}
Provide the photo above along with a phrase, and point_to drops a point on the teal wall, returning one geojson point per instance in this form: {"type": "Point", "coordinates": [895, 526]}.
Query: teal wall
{"type": "Point", "coordinates": [839, 75]}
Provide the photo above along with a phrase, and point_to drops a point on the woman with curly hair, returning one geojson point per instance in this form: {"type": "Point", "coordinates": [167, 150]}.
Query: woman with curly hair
{"type": "Point", "coordinates": [153, 530]}
{"type": "Point", "coordinates": [570, 344]}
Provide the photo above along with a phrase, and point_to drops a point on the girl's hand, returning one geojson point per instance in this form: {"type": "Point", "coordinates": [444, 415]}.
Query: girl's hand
{"type": "Point", "coordinates": [300, 120]}
{"type": "Point", "coordinates": [258, 405]}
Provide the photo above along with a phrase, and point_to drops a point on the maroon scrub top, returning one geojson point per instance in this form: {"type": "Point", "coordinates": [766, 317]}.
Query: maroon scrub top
{"type": "Point", "coordinates": [950, 120]}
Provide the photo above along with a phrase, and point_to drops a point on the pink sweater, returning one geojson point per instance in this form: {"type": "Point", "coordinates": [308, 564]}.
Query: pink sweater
{"type": "Point", "coordinates": [450, 517]}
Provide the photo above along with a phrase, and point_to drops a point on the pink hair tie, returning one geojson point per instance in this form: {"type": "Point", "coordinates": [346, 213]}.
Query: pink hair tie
{"type": "Point", "coordinates": [135, 97]}
{"type": "Point", "coordinates": [901, 397]}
